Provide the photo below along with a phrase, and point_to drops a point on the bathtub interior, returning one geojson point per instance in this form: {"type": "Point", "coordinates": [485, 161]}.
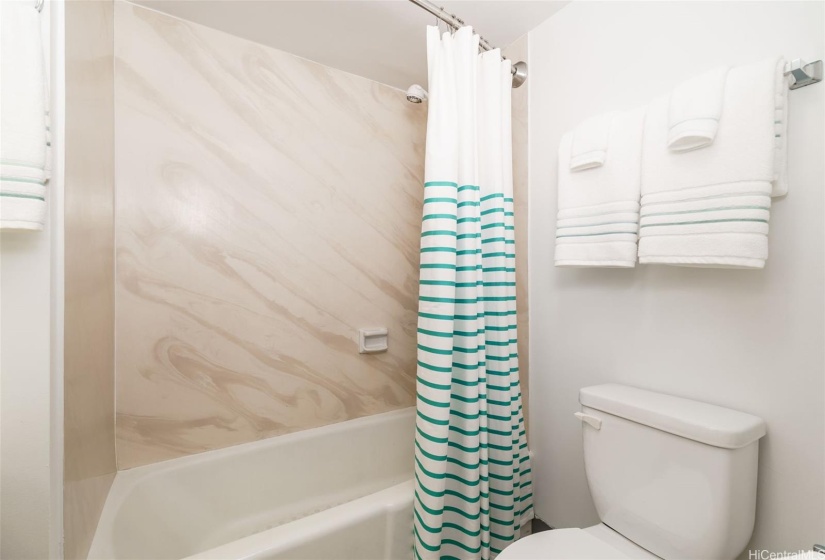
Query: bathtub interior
{"type": "Point", "coordinates": [184, 506]}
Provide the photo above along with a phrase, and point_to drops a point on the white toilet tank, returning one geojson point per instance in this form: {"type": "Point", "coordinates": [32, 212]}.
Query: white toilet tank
{"type": "Point", "coordinates": [677, 477]}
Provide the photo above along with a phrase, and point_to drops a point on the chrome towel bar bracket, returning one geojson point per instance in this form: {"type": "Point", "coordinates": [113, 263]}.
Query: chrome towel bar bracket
{"type": "Point", "coordinates": [802, 73]}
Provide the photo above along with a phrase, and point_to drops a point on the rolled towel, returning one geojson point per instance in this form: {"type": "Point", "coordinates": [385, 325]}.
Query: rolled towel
{"type": "Point", "coordinates": [694, 111]}
{"type": "Point", "coordinates": [23, 135]}
{"type": "Point", "coordinates": [598, 218]}
{"type": "Point", "coordinates": [711, 207]}
{"type": "Point", "coordinates": [589, 145]}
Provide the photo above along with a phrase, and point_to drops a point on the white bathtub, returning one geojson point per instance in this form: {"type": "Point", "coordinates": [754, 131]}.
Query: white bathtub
{"type": "Point", "coordinates": [342, 491]}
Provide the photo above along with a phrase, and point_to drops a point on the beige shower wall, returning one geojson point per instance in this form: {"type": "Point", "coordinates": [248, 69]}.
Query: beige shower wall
{"type": "Point", "coordinates": [89, 442]}
{"type": "Point", "coordinates": [267, 208]}
{"type": "Point", "coordinates": [517, 51]}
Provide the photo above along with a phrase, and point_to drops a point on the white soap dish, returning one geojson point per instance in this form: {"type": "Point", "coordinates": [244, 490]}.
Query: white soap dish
{"type": "Point", "coordinates": [371, 341]}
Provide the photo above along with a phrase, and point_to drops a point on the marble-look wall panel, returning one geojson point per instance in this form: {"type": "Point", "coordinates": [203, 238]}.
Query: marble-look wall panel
{"type": "Point", "coordinates": [89, 439]}
{"type": "Point", "coordinates": [267, 207]}
{"type": "Point", "coordinates": [518, 51]}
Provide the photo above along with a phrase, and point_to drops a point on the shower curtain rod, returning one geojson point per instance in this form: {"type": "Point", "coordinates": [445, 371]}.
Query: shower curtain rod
{"type": "Point", "coordinates": [450, 19]}
{"type": "Point", "coordinates": [519, 70]}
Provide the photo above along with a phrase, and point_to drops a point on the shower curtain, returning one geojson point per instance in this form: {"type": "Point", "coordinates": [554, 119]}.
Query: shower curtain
{"type": "Point", "coordinates": [473, 485]}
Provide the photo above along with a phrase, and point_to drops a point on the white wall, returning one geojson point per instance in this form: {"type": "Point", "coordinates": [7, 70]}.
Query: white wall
{"type": "Point", "coordinates": [749, 340]}
{"type": "Point", "coordinates": [25, 401]}
{"type": "Point", "coordinates": [30, 383]}
{"type": "Point", "coordinates": [57, 64]}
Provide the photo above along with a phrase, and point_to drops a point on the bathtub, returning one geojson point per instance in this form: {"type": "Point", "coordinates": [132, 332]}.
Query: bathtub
{"type": "Point", "coordinates": [342, 491]}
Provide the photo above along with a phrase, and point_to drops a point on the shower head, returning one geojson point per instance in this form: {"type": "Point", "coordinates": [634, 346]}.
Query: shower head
{"type": "Point", "coordinates": [416, 94]}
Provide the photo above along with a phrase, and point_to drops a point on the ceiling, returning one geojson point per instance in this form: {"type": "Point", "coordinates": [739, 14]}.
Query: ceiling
{"type": "Point", "coordinates": [383, 40]}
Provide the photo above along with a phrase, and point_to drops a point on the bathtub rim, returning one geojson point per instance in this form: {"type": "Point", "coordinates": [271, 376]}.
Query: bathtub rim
{"type": "Point", "coordinates": [298, 531]}
{"type": "Point", "coordinates": [286, 536]}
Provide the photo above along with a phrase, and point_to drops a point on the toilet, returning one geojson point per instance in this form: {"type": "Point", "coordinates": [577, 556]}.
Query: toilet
{"type": "Point", "coordinates": [670, 477]}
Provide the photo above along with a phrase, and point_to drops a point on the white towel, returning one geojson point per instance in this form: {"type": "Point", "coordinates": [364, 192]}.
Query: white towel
{"type": "Point", "coordinates": [695, 110]}
{"type": "Point", "coordinates": [598, 218]}
{"type": "Point", "coordinates": [23, 134]}
{"type": "Point", "coordinates": [589, 145]}
{"type": "Point", "coordinates": [711, 207]}
{"type": "Point", "coordinates": [780, 176]}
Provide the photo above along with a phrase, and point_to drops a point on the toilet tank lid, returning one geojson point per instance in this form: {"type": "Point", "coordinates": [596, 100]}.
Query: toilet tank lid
{"type": "Point", "coordinates": [702, 422]}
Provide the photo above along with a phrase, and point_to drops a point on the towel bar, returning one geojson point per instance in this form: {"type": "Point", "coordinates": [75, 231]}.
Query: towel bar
{"type": "Point", "coordinates": [802, 73]}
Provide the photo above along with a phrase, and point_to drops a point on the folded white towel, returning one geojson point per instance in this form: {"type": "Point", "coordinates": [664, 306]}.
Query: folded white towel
{"type": "Point", "coordinates": [711, 207]}
{"type": "Point", "coordinates": [694, 111]}
{"type": "Point", "coordinates": [589, 145]}
{"type": "Point", "coordinates": [780, 179]}
{"type": "Point", "coordinates": [22, 119]}
{"type": "Point", "coordinates": [742, 250]}
{"type": "Point", "coordinates": [598, 218]}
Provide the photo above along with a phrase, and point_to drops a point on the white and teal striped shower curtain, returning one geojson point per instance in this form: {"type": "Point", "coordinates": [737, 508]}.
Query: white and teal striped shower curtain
{"type": "Point", "coordinates": [473, 485]}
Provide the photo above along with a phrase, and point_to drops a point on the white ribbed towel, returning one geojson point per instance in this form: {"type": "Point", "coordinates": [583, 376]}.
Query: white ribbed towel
{"type": "Point", "coordinates": [589, 145]}
{"type": "Point", "coordinates": [23, 134]}
{"type": "Point", "coordinates": [694, 111]}
{"type": "Point", "coordinates": [780, 176]}
{"type": "Point", "coordinates": [711, 207]}
{"type": "Point", "coordinates": [598, 218]}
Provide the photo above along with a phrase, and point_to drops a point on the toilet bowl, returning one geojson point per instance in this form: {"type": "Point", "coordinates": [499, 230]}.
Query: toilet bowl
{"type": "Point", "coordinates": [670, 478]}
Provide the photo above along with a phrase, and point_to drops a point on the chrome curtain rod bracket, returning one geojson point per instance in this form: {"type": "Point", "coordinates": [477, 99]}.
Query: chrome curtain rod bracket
{"type": "Point", "coordinates": [802, 73]}
{"type": "Point", "coordinates": [519, 73]}
{"type": "Point", "coordinates": [519, 68]}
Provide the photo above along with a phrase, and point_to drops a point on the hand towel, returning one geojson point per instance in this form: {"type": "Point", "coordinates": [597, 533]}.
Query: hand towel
{"type": "Point", "coordinates": [711, 207]}
{"type": "Point", "coordinates": [23, 134]}
{"type": "Point", "coordinates": [694, 111]}
{"type": "Point", "coordinates": [589, 145]}
{"type": "Point", "coordinates": [598, 217]}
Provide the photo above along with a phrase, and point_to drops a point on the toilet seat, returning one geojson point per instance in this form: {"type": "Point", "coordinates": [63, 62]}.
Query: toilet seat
{"type": "Point", "coordinates": [595, 543]}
